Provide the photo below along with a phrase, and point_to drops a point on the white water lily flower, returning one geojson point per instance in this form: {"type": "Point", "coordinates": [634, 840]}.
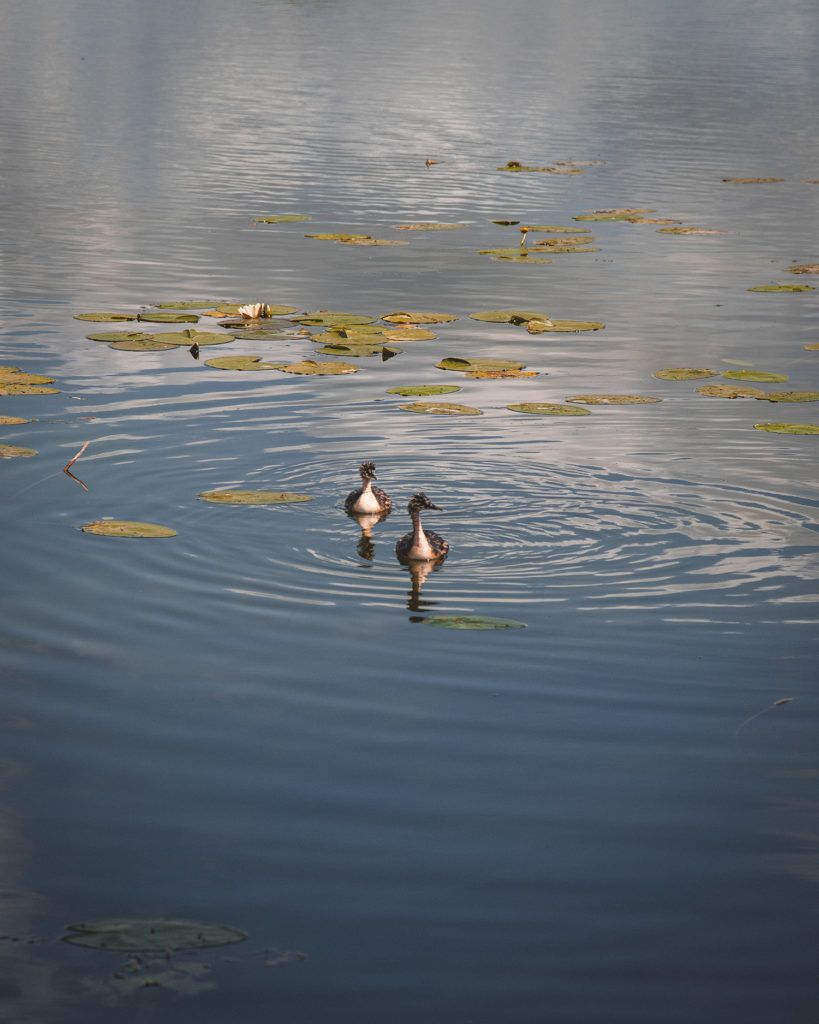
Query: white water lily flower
{"type": "Point", "coordinates": [254, 310]}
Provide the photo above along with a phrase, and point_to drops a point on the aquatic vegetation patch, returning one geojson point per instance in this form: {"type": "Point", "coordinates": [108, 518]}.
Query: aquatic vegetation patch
{"type": "Point", "coordinates": [409, 334]}
{"type": "Point", "coordinates": [516, 165]}
{"type": "Point", "coordinates": [241, 363]}
{"type": "Point", "coordinates": [240, 497]}
{"type": "Point", "coordinates": [310, 366]}
{"type": "Point", "coordinates": [461, 364]}
{"type": "Point", "coordinates": [338, 236]}
{"type": "Point", "coordinates": [756, 376]}
{"type": "Point", "coordinates": [110, 336]}
{"type": "Point", "coordinates": [691, 231]}
{"type": "Point", "coordinates": [325, 319]}
{"type": "Point", "coordinates": [266, 309]}
{"type": "Point", "coordinates": [568, 240]}
{"type": "Point", "coordinates": [788, 428]}
{"type": "Point", "coordinates": [499, 374]}
{"type": "Point", "coordinates": [127, 528]}
{"type": "Point", "coordinates": [548, 409]}
{"type": "Point", "coordinates": [557, 229]}
{"type": "Point", "coordinates": [685, 373]}
{"type": "Point", "coordinates": [414, 317]}
{"type": "Point", "coordinates": [424, 390]}
{"type": "Point", "coordinates": [12, 451]}
{"type": "Point", "coordinates": [791, 396]}
{"type": "Point", "coordinates": [729, 391]}
{"type": "Point", "coordinates": [429, 226]}
{"type": "Point", "coordinates": [190, 304]}
{"type": "Point", "coordinates": [354, 348]}
{"type": "Point", "coordinates": [508, 316]}
{"type": "Point", "coordinates": [612, 399]}
{"type": "Point", "coordinates": [370, 241]}
{"type": "Point", "coordinates": [142, 345]}
{"type": "Point", "coordinates": [105, 318]}
{"type": "Point", "coordinates": [442, 409]}
{"type": "Point", "coordinates": [782, 288]}
{"type": "Point", "coordinates": [135, 934]}
{"type": "Point", "coordinates": [471, 622]}
{"type": "Point", "coordinates": [15, 420]}
{"type": "Point", "coordinates": [623, 213]}
{"type": "Point", "coordinates": [751, 181]}
{"type": "Point", "coordinates": [804, 268]}
{"type": "Point", "coordinates": [14, 382]}
{"type": "Point", "coordinates": [564, 326]}
{"type": "Point", "coordinates": [281, 218]}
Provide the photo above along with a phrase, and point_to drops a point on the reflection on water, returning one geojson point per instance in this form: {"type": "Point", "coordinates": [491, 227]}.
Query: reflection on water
{"type": "Point", "coordinates": [249, 722]}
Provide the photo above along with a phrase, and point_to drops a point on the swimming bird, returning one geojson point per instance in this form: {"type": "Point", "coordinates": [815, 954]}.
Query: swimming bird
{"type": "Point", "coordinates": [419, 545]}
{"type": "Point", "coordinates": [367, 499]}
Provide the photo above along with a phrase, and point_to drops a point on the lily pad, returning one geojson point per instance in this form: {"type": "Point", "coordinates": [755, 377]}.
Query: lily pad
{"type": "Point", "coordinates": [11, 451]}
{"type": "Point", "coordinates": [232, 309]}
{"type": "Point", "coordinates": [147, 344]}
{"type": "Point", "coordinates": [241, 363]}
{"type": "Point", "coordinates": [729, 391]}
{"type": "Point", "coordinates": [622, 213]}
{"type": "Point", "coordinates": [751, 181]}
{"type": "Point", "coordinates": [168, 318]}
{"type": "Point", "coordinates": [557, 229]}
{"type": "Point", "coordinates": [612, 399]}
{"type": "Point", "coordinates": [788, 428]}
{"type": "Point", "coordinates": [352, 348]}
{"type": "Point", "coordinates": [370, 241]}
{"type": "Point", "coordinates": [515, 165]}
{"type": "Point", "coordinates": [457, 363]}
{"type": "Point", "coordinates": [424, 389]}
{"type": "Point", "coordinates": [558, 241]}
{"type": "Point", "coordinates": [521, 256]}
{"type": "Point", "coordinates": [263, 335]}
{"type": "Point", "coordinates": [127, 528]}
{"type": "Point", "coordinates": [281, 218]}
{"type": "Point", "coordinates": [110, 336]}
{"type": "Point", "coordinates": [333, 319]}
{"type": "Point", "coordinates": [548, 409]}
{"type": "Point", "coordinates": [442, 409]}
{"type": "Point", "coordinates": [253, 497]}
{"type": "Point", "coordinates": [653, 220]}
{"type": "Point", "coordinates": [510, 316]}
{"type": "Point", "coordinates": [564, 326]}
{"type": "Point", "coordinates": [691, 231]}
{"type": "Point", "coordinates": [405, 317]}
{"type": "Point", "coordinates": [471, 622]}
{"type": "Point", "coordinates": [556, 248]}
{"type": "Point", "coordinates": [189, 337]}
{"type": "Point", "coordinates": [499, 374]}
{"type": "Point", "coordinates": [756, 376]}
{"type": "Point", "coordinates": [104, 318]}
{"type": "Point", "coordinates": [337, 236]}
{"type": "Point", "coordinates": [813, 347]}
{"type": "Point", "coordinates": [14, 420]}
{"type": "Point", "coordinates": [17, 377]}
{"type": "Point", "coordinates": [424, 226]}
{"type": "Point", "coordinates": [804, 268]}
{"type": "Point", "coordinates": [685, 373]}
{"type": "Point", "coordinates": [783, 288]}
{"type": "Point", "coordinates": [26, 389]}
{"type": "Point", "coordinates": [792, 396]}
{"type": "Point", "coordinates": [189, 304]}
{"type": "Point", "coordinates": [409, 334]}
{"type": "Point", "coordinates": [150, 934]}
{"type": "Point", "coordinates": [310, 366]}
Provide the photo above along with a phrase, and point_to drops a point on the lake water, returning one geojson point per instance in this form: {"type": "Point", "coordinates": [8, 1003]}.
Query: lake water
{"type": "Point", "coordinates": [603, 816]}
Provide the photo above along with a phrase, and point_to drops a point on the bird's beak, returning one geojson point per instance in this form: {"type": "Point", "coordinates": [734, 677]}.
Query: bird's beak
{"type": "Point", "coordinates": [436, 507]}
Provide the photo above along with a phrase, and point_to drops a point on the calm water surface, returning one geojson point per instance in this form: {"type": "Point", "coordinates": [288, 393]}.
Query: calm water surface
{"type": "Point", "coordinates": [250, 723]}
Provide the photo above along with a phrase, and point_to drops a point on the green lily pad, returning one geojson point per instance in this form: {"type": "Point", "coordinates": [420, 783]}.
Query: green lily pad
{"type": "Point", "coordinates": [561, 240]}
{"type": "Point", "coordinates": [242, 363]}
{"type": "Point", "coordinates": [150, 934]}
{"type": "Point", "coordinates": [352, 348]}
{"type": "Point", "coordinates": [232, 309]}
{"type": "Point", "coordinates": [558, 229]}
{"type": "Point", "coordinates": [515, 165]}
{"type": "Point", "coordinates": [558, 248]}
{"type": "Point", "coordinates": [127, 528]}
{"type": "Point", "coordinates": [370, 241]}
{"type": "Point", "coordinates": [563, 326]}
{"type": "Point", "coordinates": [612, 399]}
{"type": "Point", "coordinates": [471, 622]}
{"type": "Point", "coordinates": [281, 218]}
{"type": "Point", "coordinates": [17, 377]}
{"type": "Point", "coordinates": [190, 304]}
{"type": "Point", "coordinates": [457, 363]}
{"type": "Point", "coordinates": [168, 318]}
{"type": "Point", "coordinates": [792, 396]}
{"type": "Point", "coordinates": [424, 390]}
{"type": "Point", "coordinates": [104, 318]}
{"type": "Point", "coordinates": [405, 317]}
{"type": "Point", "coordinates": [804, 268]}
{"type": "Point", "coordinates": [520, 257]}
{"type": "Point", "coordinates": [783, 288]}
{"type": "Point", "coordinates": [690, 231]}
{"type": "Point", "coordinates": [11, 451]}
{"type": "Point", "coordinates": [189, 337]}
{"type": "Point", "coordinates": [337, 236]}
{"type": "Point", "coordinates": [442, 409]}
{"type": "Point", "coordinates": [26, 389]}
{"type": "Point", "coordinates": [110, 336]}
{"type": "Point", "coordinates": [310, 366]}
{"type": "Point", "coordinates": [148, 344]}
{"type": "Point", "coordinates": [333, 319]}
{"type": "Point", "coordinates": [14, 420]}
{"type": "Point", "coordinates": [729, 391]}
{"type": "Point", "coordinates": [623, 213]}
{"type": "Point", "coordinates": [756, 376]}
{"type": "Point", "coordinates": [684, 373]}
{"type": "Point", "coordinates": [499, 374]}
{"type": "Point", "coordinates": [751, 181]}
{"type": "Point", "coordinates": [548, 409]}
{"type": "Point", "coordinates": [253, 497]}
{"type": "Point", "coordinates": [428, 226]}
{"type": "Point", "coordinates": [788, 428]}
{"type": "Point", "coordinates": [409, 334]}
{"type": "Point", "coordinates": [263, 335]}
{"type": "Point", "coordinates": [511, 316]}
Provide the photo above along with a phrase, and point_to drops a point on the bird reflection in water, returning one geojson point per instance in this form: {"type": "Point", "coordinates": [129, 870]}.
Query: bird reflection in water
{"type": "Point", "coordinates": [367, 520]}
{"type": "Point", "coordinates": [419, 572]}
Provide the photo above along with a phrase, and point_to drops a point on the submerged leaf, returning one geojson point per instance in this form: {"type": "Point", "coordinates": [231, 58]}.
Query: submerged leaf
{"type": "Point", "coordinates": [612, 399]}
{"type": "Point", "coordinates": [684, 373]}
{"type": "Point", "coordinates": [237, 497]}
{"type": "Point", "coordinates": [370, 241]}
{"type": "Point", "coordinates": [127, 528]}
{"type": "Point", "coordinates": [471, 622]}
{"type": "Point", "coordinates": [424, 389]}
{"type": "Point", "coordinates": [442, 409]}
{"type": "Point", "coordinates": [570, 240]}
{"type": "Point", "coordinates": [189, 304]}
{"type": "Point", "coordinates": [337, 236]}
{"type": "Point", "coordinates": [516, 165]}
{"type": "Point", "coordinates": [11, 451]}
{"type": "Point", "coordinates": [457, 363]}
{"type": "Point", "coordinates": [788, 428]}
{"type": "Point", "coordinates": [150, 934]}
{"type": "Point", "coordinates": [499, 374]}
{"type": "Point", "coordinates": [548, 409]}
{"type": "Point", "coordinates": [557, 229]}
{"type": "Point", "coordinates": [691, 231]}
{"type": "Point", "coordinates": [756, 376]}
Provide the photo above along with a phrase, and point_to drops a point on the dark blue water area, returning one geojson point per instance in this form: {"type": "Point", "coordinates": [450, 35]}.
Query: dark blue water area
{"type": "Point", "coordinates": [609, 814]}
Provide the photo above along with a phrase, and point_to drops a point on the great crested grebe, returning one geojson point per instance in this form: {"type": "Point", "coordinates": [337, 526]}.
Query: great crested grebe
{"type": "Point", "coordinates": [367, 499]}
{"type": "Point", "coordinates": [419, 545]}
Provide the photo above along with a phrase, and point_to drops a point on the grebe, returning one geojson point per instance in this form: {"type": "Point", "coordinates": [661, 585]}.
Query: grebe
{"type": "Point", "coordinates": [367, 499]}
{"type": "Point", "coordinates": [419, 545]}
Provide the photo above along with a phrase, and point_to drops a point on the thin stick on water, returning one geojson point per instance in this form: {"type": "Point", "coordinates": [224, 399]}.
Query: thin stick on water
{"type": "Point", "coordinates": [776, 704]}
{"type": "Point", "coordinates": [68, 465]}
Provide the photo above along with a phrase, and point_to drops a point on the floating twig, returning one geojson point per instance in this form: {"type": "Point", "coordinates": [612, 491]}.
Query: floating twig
{"type": "Point", "coordinates": [68, 465]}
{"type": "Point", "coordinates": [776, 704]}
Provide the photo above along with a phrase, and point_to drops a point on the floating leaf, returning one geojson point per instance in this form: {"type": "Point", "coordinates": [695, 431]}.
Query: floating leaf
{"type": "Point", "coordinates": [782, 288]}
{"type": "Point", "coordinates": [242, 363]}
{"type": "Point", "coordinates": [232, 309]}
{"type": "Point", "coordinates": [17, 377]}
{"type": "Point", "coordinates": [519, 256]}
{"type": "Point", "coordinates": [457, 363]}
{"type": "Point", "coordinates": [13, 420]}
{"type": "Point", "coordinates": [309, 366]}
{"type": "Point", "coordinates": [150, 934]}
{"type": "Point", "coordinates": [281, 218]}
{"type": "Point", "coordinates": [729, 391]}
{"type": "Point", "coordinates": [623, 213]}
{"type": "Point", "coordinates": [558, 241]}
{"type": "Point", "coordinates": [684, 373]}
{"type": "Point", "coordinates": [691, 231]}
{"type": "Point", "coordinates": [25, 389]}
{"type": "Point", "coordinates": [792, 396]}
{"type": "Point", "coordinates": [548, 409]}
{"type": "Point", "coordinates": [804, 268]}
{"type": "Point", "coordinates": [788, 428]}
{"type": "Point", "coordinates": [148, 344]}
{"type": "Point", "coordinates": [188, 338]}
{"type": "Point", "coordinates": [11, 451]}
{"type": "Point", "coordinates": [103, 318]}
{"type": "Point", "coordinates": [338, 236]}
{"type": "Point", "coordinates": [424, 389]}
{"type": "Point", "coordinates": [168, 318]}
{"type": "Point", "coordinates": [612, 399]}
{"type": "Point", "coordinates": [564, 326]}
{"type": "Point", "coordinates": [263, 335]}
{"type": "Point", "coordinates": [653, 220]}
{"type": "Point", "coordinates": [189, 304]}
{"type": "Point", "coordinates": [409, 334]}
{"type": "Point", "coordinates": [756, 376]}
{"type": "Point", "coordinates": [557, 229]}
{"type": "Point", "coordinates": [442, 409]}
{"type": "Point", "coordinates": [405, 317]}
{"type": "Point", "coordinates": [352, 348]}
{"type": "Point", "coordinates": [110, 336]}
{"type": "Point", "coordinates": [127, 528]}
{"type": "Point", "coordinates": [370, 241]}
{"type": "Point", "coordinates": [333, 319]}
{"type": "Point", "coordinates": [499, 374]}
{"type": "Point", "coordinates": [515, 165]}
{"type": "Point", "coordinates": [511, 316]}
{"type": "Point", "coordinates": [429, 226]}
{"type": "Point", "coordinates": [751, 181]}
{"type": "Point", "coordinates": [565, 248]}
{"type": "Point", "coordinates": [253, 497]}
{"type": "Point", "coordinates": [471, 622]}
